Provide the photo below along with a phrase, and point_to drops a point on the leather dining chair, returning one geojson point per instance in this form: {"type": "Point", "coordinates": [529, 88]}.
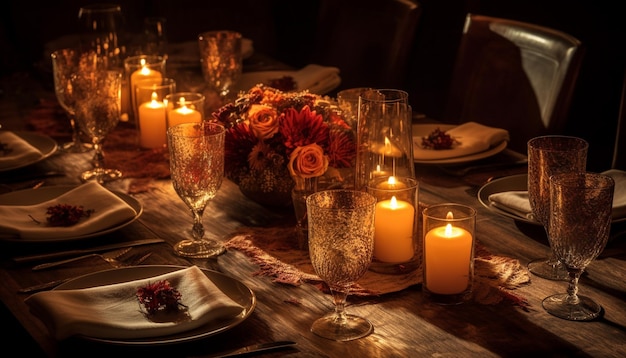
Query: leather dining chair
{"type": "Point", "coordinates": [368, 40]}
{"type": "Point", "coordinates": [619, 152]}
{"type": "Point", "coordinates": [513, 75]}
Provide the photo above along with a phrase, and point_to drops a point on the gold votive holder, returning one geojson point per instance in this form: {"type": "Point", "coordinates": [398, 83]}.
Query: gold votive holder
{"type": "Point", "coordinates": [448, 249]}
{"type": "Point", "coordinates": [396, 248]}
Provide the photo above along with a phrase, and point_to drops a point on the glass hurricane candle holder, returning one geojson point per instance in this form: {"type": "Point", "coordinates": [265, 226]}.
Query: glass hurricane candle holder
{"type": "Point", "coordinates": [151, 114]}
{"type": "Point", "coordinates": [140, 68]}
{"type": "Point", "coordinates": [448, 249]}
{"type": "Point", "coordinates": [396, 224]}
{"type": "Point", "coordinates": [184, 107]}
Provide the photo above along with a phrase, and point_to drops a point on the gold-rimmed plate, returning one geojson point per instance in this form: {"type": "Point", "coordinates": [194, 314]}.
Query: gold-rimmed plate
{"type": "Point", "coordinates": [233, 288]}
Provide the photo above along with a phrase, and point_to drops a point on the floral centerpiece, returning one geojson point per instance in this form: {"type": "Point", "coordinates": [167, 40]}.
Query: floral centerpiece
{"type": "Point", "coordinates": [277, 140]}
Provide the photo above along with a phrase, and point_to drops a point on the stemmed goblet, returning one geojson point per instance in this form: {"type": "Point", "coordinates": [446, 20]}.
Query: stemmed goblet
{"type": "Point", "coordinates": [197, 169]}
{"type": "Point", "coordinates": [66, 62]}
{"type": "Point", "coordinates": [98, 102]}
{"type": "Point", "coordinates": [580, 224]}
{"type": "Point", "coordinates": [341, 246]}
{"type": "Point", "coordinates": [547, 156]}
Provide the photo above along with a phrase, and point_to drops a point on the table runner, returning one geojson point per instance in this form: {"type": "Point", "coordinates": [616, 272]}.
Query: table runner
{"type": "Point", "coordinates": [275, 251]}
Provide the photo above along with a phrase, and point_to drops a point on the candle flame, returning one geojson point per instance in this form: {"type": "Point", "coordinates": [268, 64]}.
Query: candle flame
{"type": "Point", "coordinates": [393, 203]}
{"type": "Point", "coordinates": [155, 96]}
{"type": "Point", "coordinates": [449, 216]}
{"type": "Point", "coordinates": [392, 181]}
{"type": "Point", "coordinates": [448, 230]}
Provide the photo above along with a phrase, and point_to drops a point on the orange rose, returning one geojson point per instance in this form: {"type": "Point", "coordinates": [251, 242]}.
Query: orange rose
{"type": "Point", "coordinates": [308, 161]}
{"type": "Point", "coordinates": [263, 121]}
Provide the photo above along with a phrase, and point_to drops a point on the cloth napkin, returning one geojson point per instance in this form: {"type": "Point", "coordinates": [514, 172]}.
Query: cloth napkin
{"type": "Point", "coordinates": [109, 210]}
{"type": "Point", "coordinates": [517, 202]}
{"type": "Point", "coordinates": [20, 151]}
{"type": "Point", "coordinates": [317, 79]}
{"type": "Point", "coordinates": [113, 311]}
{"type": "Point", "coordinates": [472, 137]}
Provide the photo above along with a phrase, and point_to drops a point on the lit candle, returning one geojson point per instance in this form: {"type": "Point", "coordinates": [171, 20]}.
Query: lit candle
{"type": "Point", "coordinates": [393, 230]}
{"type": "Point", "coordinates": [391, 183]}
{"type": "Point", "coordinates": [447, 259]}
{"type": "Point", "coordinates": [144, 73]}
{"type": "Point", "coordinates": [152, 124]}
{"type": "Point", "coordinates": [183, 114]}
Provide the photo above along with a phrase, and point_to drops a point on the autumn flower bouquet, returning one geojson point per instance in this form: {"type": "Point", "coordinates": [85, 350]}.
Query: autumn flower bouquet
{"type": "Point", "coordinates": [277, 140]}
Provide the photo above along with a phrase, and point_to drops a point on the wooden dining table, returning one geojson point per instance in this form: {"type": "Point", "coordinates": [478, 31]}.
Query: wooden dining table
{"type": "Point", "coordinates": [406, 323]}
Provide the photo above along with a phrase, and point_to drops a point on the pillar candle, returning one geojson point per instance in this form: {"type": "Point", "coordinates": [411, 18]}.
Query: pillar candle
{"type": "Point", "coordinates": [447, 259]}
{"type": "Point", "coordinates": [144, 73]}
{"type": "Point", "coordinates": [183, 114]}
{"type": "Point", "coordinates": [393, 231]}
{"type": "Point", "coordinates": [152, 124]}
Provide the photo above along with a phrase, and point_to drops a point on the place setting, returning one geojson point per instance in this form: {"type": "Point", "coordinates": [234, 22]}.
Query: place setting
{"type": "Point", "coordinates": [19, 149]}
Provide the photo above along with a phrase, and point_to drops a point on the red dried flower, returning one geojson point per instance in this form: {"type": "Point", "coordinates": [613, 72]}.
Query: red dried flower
{"type": "Point", "coordinates": [159, 296]}
{"type": "Point", "coordinates": [66, 214]}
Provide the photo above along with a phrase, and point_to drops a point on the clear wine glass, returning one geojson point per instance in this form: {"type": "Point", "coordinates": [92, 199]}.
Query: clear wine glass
{"type": "Point", "coordinates": [547, 156]}
{"type": "Point", "coordinates": [341, 246]}
{"type": "Point", "coordinates": [98, 102]}
{"type": "Point", "coordinates": [66, 62]}
{"type": "Point", "coordinates": [101, 31]}
{"type": "Point", "coordinates": [197, 169]}
{"type": "Point", "coordinates": [580, 224]}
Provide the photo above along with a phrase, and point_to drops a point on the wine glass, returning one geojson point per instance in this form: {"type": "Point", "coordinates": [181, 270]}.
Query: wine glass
{"type": "Point", "coordinates": [66, 62]}
{"type": "Point", "coordinates": [580, 223]}
{"type": "Point", "coordinates": [547, 156]}
{"type": "Point", "coordinates": [101, 25]}
{"type": "Point", "coordinates": [98, 102]}
{"type": "Point", "coordinates": [221, 60]}
{"type": "Point", "coordinates": [341, 246]}
{"type": "Point", "coordinates": [197, 169]}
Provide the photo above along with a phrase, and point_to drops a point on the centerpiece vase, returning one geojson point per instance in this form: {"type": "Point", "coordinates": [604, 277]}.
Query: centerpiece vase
{"type": "Point", "coordinates": [302, 189]}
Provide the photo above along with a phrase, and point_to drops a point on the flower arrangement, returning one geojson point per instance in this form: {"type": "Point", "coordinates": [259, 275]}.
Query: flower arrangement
{"type": "Point", "coordinates": [269, 132]}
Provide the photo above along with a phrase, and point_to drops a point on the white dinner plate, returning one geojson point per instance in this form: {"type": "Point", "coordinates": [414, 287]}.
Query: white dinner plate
{"type": "Point", "coordinates": [517, 182]}
{"type": "Point", "coordinates": [39, 195]}
{"type": "Point", "coordinates": [46, 145]}
{"type": "Point", "coordinates": [423, 130]}
{"type": "Point", "coordinates": [233, 288]}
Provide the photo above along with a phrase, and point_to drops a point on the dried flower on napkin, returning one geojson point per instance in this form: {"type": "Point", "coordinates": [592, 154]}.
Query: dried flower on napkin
{"type": "Point", "coordinates": [159, 296]}
{"type": "Point", "coordinates": [285, 83]}
{"type": "Point", "coordinates": [438, 139]}
{"type": "Point", "coordinates": [66, 214]}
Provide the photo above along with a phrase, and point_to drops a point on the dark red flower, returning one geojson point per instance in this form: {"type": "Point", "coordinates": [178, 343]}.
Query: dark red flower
{"type": "Point", "coordinates": [302, 128]}
{"type": "Point", "coordinates": [341, 151]}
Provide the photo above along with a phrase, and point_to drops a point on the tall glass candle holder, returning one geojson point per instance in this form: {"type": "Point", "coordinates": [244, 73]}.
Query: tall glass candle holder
{"type": "Point", "coordinates": [396, 224]}
{"type": "Point", "coordinates": [141, 68]}
{"type": "Point", "coordinates": [448, 250]}
{"type": "Point", "coordinates": [384, 136]}
{"type": "Point", "coordinates": [151, 114]}
{"type": "Point", "coordinates": [184, 107]}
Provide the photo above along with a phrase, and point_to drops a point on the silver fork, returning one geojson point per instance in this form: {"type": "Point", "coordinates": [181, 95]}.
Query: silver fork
{"type": "Point", "coordinates": [111, 257]}
{"type": "Point", "coordinates": [131, 261]}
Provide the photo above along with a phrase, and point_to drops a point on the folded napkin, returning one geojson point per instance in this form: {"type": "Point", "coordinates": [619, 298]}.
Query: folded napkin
{"type": "Point", "coordinates": [108, 210]}
{"type": "Point", "coordinates": [517, 202]}
{"type": "Point", "coordinates": [113, 311]}
{"type": "Point", "coordinates": [16, 150]}
{"type": "Point", "coordinates": [317, 79]}
{"type": "Point", "coordinates": [472, 137]}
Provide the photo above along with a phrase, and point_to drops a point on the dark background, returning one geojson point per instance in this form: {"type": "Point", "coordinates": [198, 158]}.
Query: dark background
{"type": "Point", "coordinates": [285, 30]}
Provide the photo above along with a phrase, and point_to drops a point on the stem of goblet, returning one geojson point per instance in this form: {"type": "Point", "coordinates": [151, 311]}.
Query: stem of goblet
{"type": "Point", "coordinates": [98, 156]}
{"type": "Point", "coordinates": [197, 230]}
{"type": "Point", "coordinates": [75, 131]}
{"type": "Point", "coordinates": [339, 298]}
{"type": "Point", "coordinates": [572, 288]}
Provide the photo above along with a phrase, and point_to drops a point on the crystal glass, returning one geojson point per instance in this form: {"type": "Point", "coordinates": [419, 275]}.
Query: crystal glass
{"type": "Point", "coordinates": [197, 169]}
{"type": "Point", "coordinates": [341, 246]}
{"type": "Point", "coordinates": [101, 30]}
{"type": "Point", "coordinates": [547, 156]}
{"type": "Point", "coordinates": [580, 224]}
{"type": "Point", "coordinates": [65, 63]}
{"type": "Point", "coordinates": [221, 60]}
{"type": "Point", "coordinates": [98, 110]}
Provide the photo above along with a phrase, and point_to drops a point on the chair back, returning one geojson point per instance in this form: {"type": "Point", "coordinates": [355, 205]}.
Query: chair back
{"type": "Point", "coordinates": [513, 75]}
{"type": "Point", "coordinates": [619, 152]}
{"type": "Point", "coordinates": [368, 40]}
